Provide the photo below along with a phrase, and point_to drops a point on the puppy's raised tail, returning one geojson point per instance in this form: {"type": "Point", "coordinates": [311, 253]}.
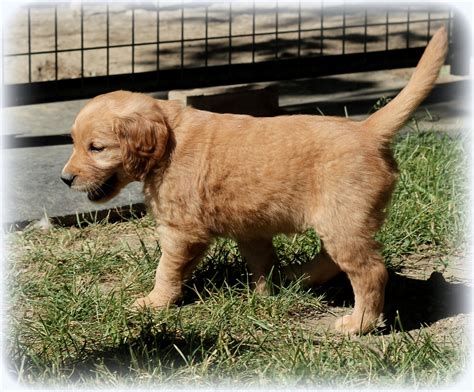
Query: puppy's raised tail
{"type": "Point", "coordinates": [388, 120]}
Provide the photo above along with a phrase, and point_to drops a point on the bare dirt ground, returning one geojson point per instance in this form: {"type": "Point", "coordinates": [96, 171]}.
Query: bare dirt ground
{"type": "Point", "coordinates": [145, 25]}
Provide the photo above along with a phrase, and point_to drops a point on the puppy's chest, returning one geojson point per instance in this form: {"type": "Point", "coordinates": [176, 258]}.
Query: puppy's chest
{"type": "Point", "coordinates": [172, 200]}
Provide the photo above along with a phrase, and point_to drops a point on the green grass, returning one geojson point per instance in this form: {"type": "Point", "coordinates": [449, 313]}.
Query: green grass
{"type": "Point", "coordinates": [429, 208]}
{"type": "Point", "coordinates": [70, 323]}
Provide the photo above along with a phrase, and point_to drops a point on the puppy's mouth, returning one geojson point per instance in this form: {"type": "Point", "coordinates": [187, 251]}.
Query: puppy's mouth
{"type": "Point", "coordinates": [105, 190]}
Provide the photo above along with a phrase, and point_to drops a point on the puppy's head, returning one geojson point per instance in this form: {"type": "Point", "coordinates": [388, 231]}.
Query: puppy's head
{"type": "Point", "coordinates": [118, 138]}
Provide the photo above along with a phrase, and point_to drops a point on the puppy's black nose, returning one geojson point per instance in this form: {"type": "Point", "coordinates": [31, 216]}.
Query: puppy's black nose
{"type": "Point", "coordinates": [68, 178]}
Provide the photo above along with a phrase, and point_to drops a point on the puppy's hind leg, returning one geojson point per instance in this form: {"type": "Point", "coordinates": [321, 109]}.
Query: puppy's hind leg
{"type": "Point", "coordinates": [360, 259]}
{"type": "Point", "coordinates": [317, 271]}
{"type": "Point", "coordinates": [260, 258]}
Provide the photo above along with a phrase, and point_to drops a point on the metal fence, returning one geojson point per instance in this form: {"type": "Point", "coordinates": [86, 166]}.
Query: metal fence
{"type": "Point", "coordinates": [61, 51]}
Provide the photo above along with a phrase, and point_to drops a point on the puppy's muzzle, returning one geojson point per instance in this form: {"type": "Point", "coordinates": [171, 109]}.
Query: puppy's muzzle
{"type": "Point", "coordinates": [68, 178]}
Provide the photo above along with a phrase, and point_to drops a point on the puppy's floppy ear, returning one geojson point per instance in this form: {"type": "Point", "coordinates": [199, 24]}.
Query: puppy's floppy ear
{"type": "Point", "coordinates": [143, 138]}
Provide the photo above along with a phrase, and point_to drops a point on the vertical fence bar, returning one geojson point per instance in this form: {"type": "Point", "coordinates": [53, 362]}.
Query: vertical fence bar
{"type": "Point", "coordinates": [182, 36]}
{"type": "Point", "coordinates": [460, 45]}
{"type": "Point", "coordinates": [299, 28]}
{"type": "Point", "coordinates": [321, 32]}
{"type": "Point", "coordinates": [29, 44]}
{"type": "Point", "coordinates": [55, 42]}
{"type": "Point", "coordinates": [408, 27]}
{"type": "Point", "coordinates": [276, 30]}
{"type": "Point", "coordinates": [253, 31]}
{"type": "Point", "coordinates": [230, 32]}
{"type": "Point", "coordinates": [450, 19]}
{"type": "Point", "coordinates": [206, 37]}
{"type": "Point", "coordinates": [344, 28]}
{"type": "Point", "coordinates": [107, 38]}
{"type": "Point", "coordinates": [365, 30]}
{"type": "Point", "coordinates": [133, 38]}
{"type": "Point", "coordinates": [82, 44]}
{"type": "Point", "coordinates": [428, 32]}
{"type": "Point", "coordinates": [157, 40]}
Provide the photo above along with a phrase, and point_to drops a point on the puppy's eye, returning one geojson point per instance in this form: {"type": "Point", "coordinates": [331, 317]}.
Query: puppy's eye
{"type": "Point", "coordinates": [95, 148]}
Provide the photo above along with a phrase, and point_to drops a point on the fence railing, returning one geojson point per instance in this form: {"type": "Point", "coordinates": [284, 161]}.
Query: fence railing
{"type": "Point", "coordinates": [60, 51]}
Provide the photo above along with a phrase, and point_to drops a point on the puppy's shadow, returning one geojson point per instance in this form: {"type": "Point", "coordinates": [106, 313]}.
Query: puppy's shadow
{"type": "Point", "coordinates": [215, 275]}
{"type": "Point", "coordinates": [409, 303]}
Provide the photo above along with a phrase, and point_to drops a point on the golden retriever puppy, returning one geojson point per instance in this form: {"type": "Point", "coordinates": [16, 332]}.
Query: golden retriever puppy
{"type": "Point", "coordinates": [208, 175]}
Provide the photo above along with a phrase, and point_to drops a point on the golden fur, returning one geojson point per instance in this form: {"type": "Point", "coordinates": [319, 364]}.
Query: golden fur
{"type": "Point", "coordinates": [208, 175]}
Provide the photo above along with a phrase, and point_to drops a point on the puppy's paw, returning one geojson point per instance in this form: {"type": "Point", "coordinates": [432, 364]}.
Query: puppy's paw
{"type": "Point", "coordinates": [351, 325]}
{"type": "Point", "coordinates": [262, 287]}
{"type": "Point", "coordinates": [148, 302]}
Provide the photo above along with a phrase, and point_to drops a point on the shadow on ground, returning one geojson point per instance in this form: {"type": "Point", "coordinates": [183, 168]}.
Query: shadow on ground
{"type": "Point", "coordinates": [409, 303]}
{"type": "Point", "coordinates": [170, 348]}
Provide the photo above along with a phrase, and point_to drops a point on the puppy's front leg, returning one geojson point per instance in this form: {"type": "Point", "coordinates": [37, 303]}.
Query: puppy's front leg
{"type": "Point", "coordinates": [180, 255]}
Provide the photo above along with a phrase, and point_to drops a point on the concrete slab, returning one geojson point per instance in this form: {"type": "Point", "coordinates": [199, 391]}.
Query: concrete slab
{"type": "Point", "coordinates": [33, 188]}
{"type": "Point", "coordinates": [53, 118]}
